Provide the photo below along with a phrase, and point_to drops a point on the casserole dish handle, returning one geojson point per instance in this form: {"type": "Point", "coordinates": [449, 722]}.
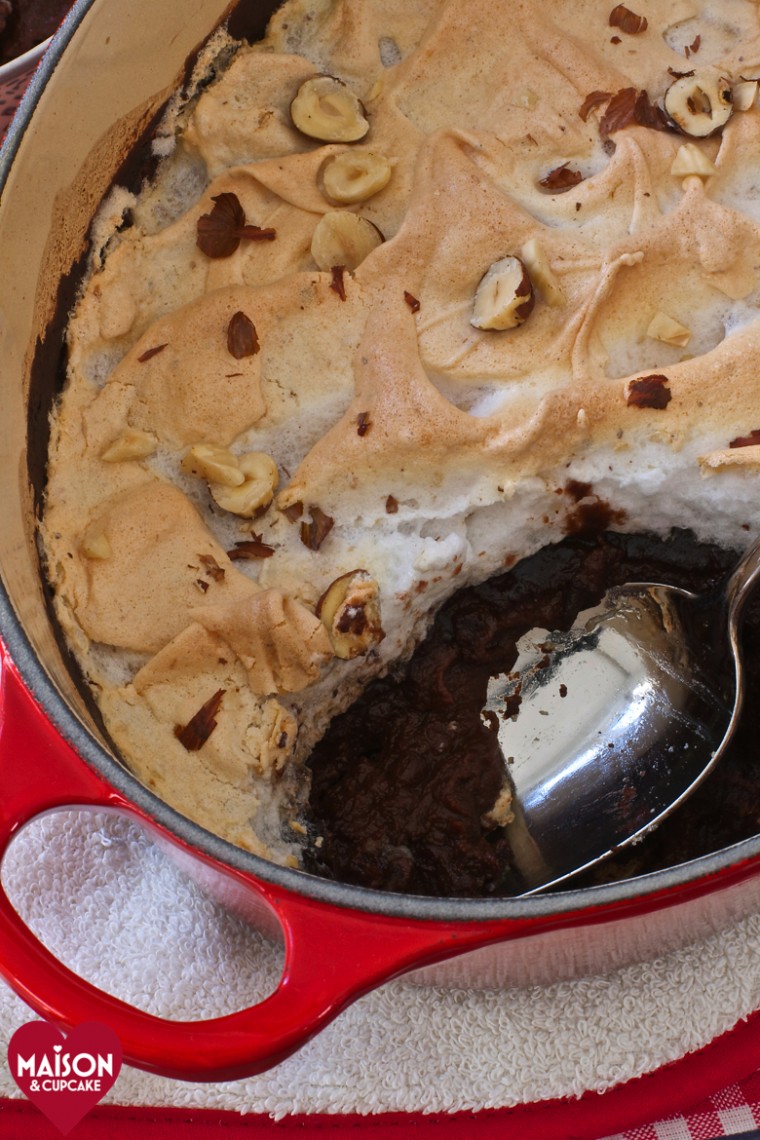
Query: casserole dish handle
{"type": "Point", "coordinates": [332, 954]}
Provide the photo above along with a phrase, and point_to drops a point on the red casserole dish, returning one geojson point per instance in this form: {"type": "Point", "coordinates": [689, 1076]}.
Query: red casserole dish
{"type": "Point", "coordinates": [107, 74]}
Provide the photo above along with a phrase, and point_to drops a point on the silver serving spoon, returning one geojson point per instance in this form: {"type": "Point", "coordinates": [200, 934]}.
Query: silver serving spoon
{"type": "Point", "coordinates": [618, 720]}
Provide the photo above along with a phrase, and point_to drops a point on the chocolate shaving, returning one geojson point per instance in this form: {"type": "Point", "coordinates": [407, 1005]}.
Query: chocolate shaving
{"type": "Point", "coordinates": [212, 567]}
{"type": "Point", "coordinates": [293, 512]}
{"type": "Point", "coordinates": [693, 47]}
{"type": "Point", "coordinates": [241, 336]}
{"type": "Point", "coordinates": [196, 732]}
{"type": "Point", "coordinates": [680, 74]}
{"type": "Point", "coordinates": [560, 179]}
{"type": "Point", "coordinates": [337, 284]}
{"type": "Point", "coordinates": [363, 423]}
{"type": "Point", "coordinates": [149, 352]}
{"type": "Point", "coordinates": [314, 533]}
{"type": "Point", "coordinates": [202, 586]}
{"type": "Point", "coordinates": [628, 21]}
{"type": "Point", "coordinates": [251, 548]}
{"type": "Point", "coordinates": [220, 232]}
{"type": "Point", "coordinates": [630, 107]}
{"type": "Point", "coordinates": [751, 440]}
{"type": "Point", "coordinates": [595, 99]}
{"type": "Point", "coordinates": [649, 392]}
{"type": "Point", "coordinates": [411, 301]}
{"type": "Point", "coordinates": [391, 505]}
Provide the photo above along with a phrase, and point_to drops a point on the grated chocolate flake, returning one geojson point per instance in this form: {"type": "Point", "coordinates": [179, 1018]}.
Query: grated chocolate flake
{"type": "Point", "coordinates": [693, 47]}
{"type": "Point", "coordinates": [150, 352]}
{"type": "Point", "coordinates": [649, 392]}
{"type": "Point", "coordinates": [338, 284]}
{"type": "Point", "coordinates": [751, 440]}
{"type": "Point", "coordinates": [561, 179]}
{"type": "Point", "coordinates": [242, 339]}
{"type": "Point", "coordinates": [411, 301]}
{"type": "Point", "coordinates": [391, 505]}
{"type": "Point", "coordinates": [250, 548]}
{"type": "Point", "coordinates": [595, 99]}
{"type": "Point", "coordinates": [219, 233]}
{"type": "Point", "coordinates": [631, 107]}
{"type": "Point", "coordinates": [198, 729]}
{"type": "Point", "coordinates": [314, 533]}
{"type": "Point", "coordinates": [211, 566]}
{"type": "Point", "coordinates": [628, 21]}
{"type": "Point", "coordinates": [363, 423]}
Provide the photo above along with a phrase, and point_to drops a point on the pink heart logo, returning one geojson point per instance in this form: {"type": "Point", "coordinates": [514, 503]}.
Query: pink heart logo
{"type": "Point", "coordinates": [64, 1076]}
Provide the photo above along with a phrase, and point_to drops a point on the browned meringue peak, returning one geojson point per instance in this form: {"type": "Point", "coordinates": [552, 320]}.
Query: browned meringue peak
{"type": "Point", "coordinates": [150, 275]}
{"type": "Point", "coordinates": [620, 194]}
{"type": "Point", "coordinates": [459, 223]}
{"type": "Point", "coordinates": [245, 115]}
{"type": "Point", "coordinates": [413, 428]}
{"type": "Point", "coordinates": [546, 74]}
{"type": "Point", "coordinates": [181, 382]}
{"type": "Point", "coordinates": [364, 38]}
{"type": "Point", "coordinates": [156, 563]}
{"type": "Point", "coordinates": [560, 53]}
{"type": "Point", "coordinates": [690, 265]}
{"type": "Point", "coordinates": [737, 164]}
{"type": "Point", "coordinates": [410, 440]}
{"type": "Point", "coordinates": [194, 390]}
{"type": "Point", "coordinates": [250, 736]}
{"type": "Point", "coordinates": [280, 643]}
{"type": "Point", "coordinates": [713, 400]}
{"type": "Point", "coordinates": [198, 663]}
{"type": "Point", "coordinates": [297, 179]}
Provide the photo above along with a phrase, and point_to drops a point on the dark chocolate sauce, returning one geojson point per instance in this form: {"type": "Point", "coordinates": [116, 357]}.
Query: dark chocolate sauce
{"type": "Point", "coordinates": [402, 781]}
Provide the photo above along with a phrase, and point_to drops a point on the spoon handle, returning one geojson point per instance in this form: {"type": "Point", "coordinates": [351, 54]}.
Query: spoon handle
{"type": "Point", "coordinates": [741, 584]}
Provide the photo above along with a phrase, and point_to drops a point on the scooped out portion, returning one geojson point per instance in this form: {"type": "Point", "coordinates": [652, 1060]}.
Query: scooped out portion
{"type": "Point", "coordinates": [413, 296]}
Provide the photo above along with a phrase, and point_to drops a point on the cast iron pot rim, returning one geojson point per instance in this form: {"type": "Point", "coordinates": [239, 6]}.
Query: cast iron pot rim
{"type": "Point", "coordinates": [63, 718]}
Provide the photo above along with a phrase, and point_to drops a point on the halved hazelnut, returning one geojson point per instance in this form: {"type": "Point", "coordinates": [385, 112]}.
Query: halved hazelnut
{"type": "Point", "coordinates": [690, 159]}
{"type": "Point", "coordinates": [745, 94]}
{"type": "Point", "coordinates": [342, 238]}
{"type": "Point", "coordinates": [355, 176]}
{"type": "Point", "coordinates": [325, 108]}
{"type": "Point", "coordinates": [96, 546]}
{"type": "Point", "coordinates": [668, 330]}
{"type": "Point", "coordinates": [541, 274]}
{"type": "Point", "coordinates": [699, 104]}
{"type": "Point", "coordinates": [216, 464]}
{"type": "Point", "coordinates": [504, 298]}
{"type": "Point", "coordinates": [350, 612]}
{"type": "Point", "coordinates": [131, 444]}
{"type": "Point", "coordinates": [260, 479]}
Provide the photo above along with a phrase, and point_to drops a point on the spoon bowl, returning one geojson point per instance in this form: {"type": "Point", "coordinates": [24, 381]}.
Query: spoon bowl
{"type": "Point", "coordinates": [607, 728]}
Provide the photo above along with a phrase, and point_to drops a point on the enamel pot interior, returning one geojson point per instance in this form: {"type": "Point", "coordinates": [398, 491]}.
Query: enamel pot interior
{"type": "Point", "coordinates": [105, 78]}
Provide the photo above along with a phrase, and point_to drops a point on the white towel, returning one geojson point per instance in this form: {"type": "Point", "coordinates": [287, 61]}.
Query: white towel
{"type": "Point", "coordinates": [116, 910]}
